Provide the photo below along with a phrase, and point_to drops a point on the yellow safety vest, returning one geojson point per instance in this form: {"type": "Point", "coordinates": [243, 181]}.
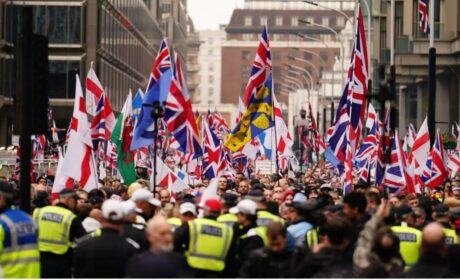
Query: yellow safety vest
{"type": "Point", "coordinates": [410, 240]}
{"type": "Point", "coordinates": [228, 219]}
{"type": "Point", "coordinates": [54, 229]}
{"type": "Point", "coordinates": [311, 238]}
{"type": "Point", "coordinates": [19, 255]}
{"type": "Point", "coordinates": [209, 244]}
{"type": "Point", "coordinates": [175, 222]}
{"type": "Point", "coordinates": [451, 236]}
{"type": "Point", "coordinates": [265, 218]}
{"type": "Point", "coordinates": [259, 231]}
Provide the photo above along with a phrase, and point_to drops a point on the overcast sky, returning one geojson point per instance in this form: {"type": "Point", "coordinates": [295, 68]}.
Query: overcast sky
{"type": "Point", "coordinates": [209, 14]}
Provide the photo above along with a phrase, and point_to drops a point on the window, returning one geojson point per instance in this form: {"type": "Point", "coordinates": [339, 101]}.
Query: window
{"type": "Point", "coordinates": [263, 20]}
{"type": "Point", "coordinates": [210, 52]}
{"type": "Point", "coordinates": [307, 56]}
{"type": "Point", "coordinates": [325, 21]}
{"type": "Point", "coordinates": [210, 40]}
{"type": "Point", "coordinates": [310, 19]}
{"type": "Point", "coordinates": [275, 55]}
{"type": "Point", "coordinates": [210, 101]}
{"type": "Point", "coordinates": [61, 78]}
{"type": "Point", "coordinates": [211, 91]}
{"type": "Point", "coordinates": [323, 55]}
{"type": "Point", "coordinates": [340, 22]}
{"type": "Point", "coordinates": [295, 21]}
{"type": "Point", "coordinates": [279, 21]}
{"type": "Point", "coordinates": [247, 36]}
{"type": "Point", "coordinates": [211, 67]}
{"type": "Point", "coordinates": [245, 71]}
{"type": "Point", "coordinates": [245, 55]}
{"type": "Point", "coordinates": [247, 21]}
{"type": "Point", "coordinates": [276, 37]}
{"type": "Point", "coordinates": [292, 55]}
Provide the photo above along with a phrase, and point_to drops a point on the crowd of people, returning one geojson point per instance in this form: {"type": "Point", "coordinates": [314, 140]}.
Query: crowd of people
{"type": "Point", "coordinates": [260, 227]}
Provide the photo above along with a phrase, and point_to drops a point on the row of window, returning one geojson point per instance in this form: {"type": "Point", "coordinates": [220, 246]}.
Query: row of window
{"type": "Point", "coordinates": [284, 37]}
{"type": "Point", "coordinates": [294, 21]}
{"type": "Point", "coordinates": [61, 24]}
{"type": "Point", "coordinates": [120, 43]}
{"type": "Point", "coordinates": [292, 54]}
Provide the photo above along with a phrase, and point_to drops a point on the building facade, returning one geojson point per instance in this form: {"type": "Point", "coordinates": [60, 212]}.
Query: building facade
{"type": "Point", "coordinates": [119, 38]}
{"type": "Point", "coordinates": [298, 61]}
{"type": "Point", "coordinates": [210, 59]}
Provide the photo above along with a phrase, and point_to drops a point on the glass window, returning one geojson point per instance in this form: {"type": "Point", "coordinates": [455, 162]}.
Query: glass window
{"type": "Point", "coordinates": [323, 55]}
{"type": "Point", "coordinates": [295, 21]}
{"type": "Point", "coordinates": [210, 92]}
{"type": "Point", "coordinates": [247, 36]}
{"type": "Point", "coordinates": [247, 21]}
{"type": "Point", "coordinates": [307, 56]}
{"type": "Point", "coordinates": [263, 20]}
{"type": "Point", "coordinates": [61, 78]}
{"type": "Point", "coordinates": [279, 21]}
{"type": "Point", "coordinates": [276, 37]}
{"type": "Point", "coordinates": [245, 55]}
{"type": "Point", "coordinates": [211, 67]}
{"type": "Point", "coordinates": [292, 55]}
{"type": "Point", "coordinates": [211, 79]}
{"type": "Point", "coordinates": [310, 19]}
{"type": "Point", "coordinates": [325, 21]}
{"type": "Point", "coordinates": [340, 22]}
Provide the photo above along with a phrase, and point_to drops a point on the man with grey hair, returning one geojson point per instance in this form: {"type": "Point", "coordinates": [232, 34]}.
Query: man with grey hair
{"type": "Point", "coordinates": [160, 261]}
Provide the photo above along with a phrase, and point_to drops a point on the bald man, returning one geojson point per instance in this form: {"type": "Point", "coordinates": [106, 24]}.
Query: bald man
{"type": "Point", "coordinates": [432, 262]}
{"type": "Point", "coordinates": [160, 261]}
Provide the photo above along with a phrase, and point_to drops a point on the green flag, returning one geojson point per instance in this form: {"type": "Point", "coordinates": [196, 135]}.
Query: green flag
{"type": "Point", "coordinates": [122, 136]}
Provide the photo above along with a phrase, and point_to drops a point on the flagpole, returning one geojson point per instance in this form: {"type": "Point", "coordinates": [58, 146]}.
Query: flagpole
{"type": "Point", "coordinates": [431, 75]}
{"type": "Point", "coordinates": [94, 166]}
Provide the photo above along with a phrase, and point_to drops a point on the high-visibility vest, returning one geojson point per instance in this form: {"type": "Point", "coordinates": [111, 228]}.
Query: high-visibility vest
{"type": "Point", "coordinates": [410, 240]}
{"type": "Point", "coordinates": [451, 236]}
{"type": "Point", "coordinates": [54, 229]}
{"type": "Point", "coordinates": [311, 238]}
{"type": "Point", "coordinates": [259, 231]}
{"type": "Point", "coordinates": [228, 219]}
{"type": "Point", "coordinates": [19, 255]}
{"type": "Point", "coordinates": [209, 244]}
{"type": "Point", "coordinates": [174, 222]}
{"type": "Point", "coordinates": [265, 218]}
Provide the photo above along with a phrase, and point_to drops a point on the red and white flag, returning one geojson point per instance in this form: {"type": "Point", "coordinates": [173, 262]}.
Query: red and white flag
{"type": "Point", "coordinates": [420, 148]}
{"type": "Point", "coordinates": [94, 91]}
{"type": "Point", "coordinates": [79, 163]}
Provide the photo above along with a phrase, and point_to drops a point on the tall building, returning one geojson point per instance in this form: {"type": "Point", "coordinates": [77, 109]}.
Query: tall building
{"type": "Point", "coordinates": [411, 60]}
{"type": "Point", "coordinates": [210, 59]}
{"type": "Point", "coordinates": [297, 59]}
{"type": "Point", "coordinates": [120, 38]}
{"type": "Point", "coordinates": [193, 64]}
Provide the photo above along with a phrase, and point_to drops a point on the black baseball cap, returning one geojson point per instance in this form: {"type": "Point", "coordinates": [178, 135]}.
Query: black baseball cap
{"type": "Point", "coordinates": [68, 193]}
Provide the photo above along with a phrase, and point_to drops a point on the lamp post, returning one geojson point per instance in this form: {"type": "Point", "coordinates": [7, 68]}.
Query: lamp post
{"type": "Point", "coordinates": [156, 113]}
{"type": "Point", "coordinates": [342, 48]}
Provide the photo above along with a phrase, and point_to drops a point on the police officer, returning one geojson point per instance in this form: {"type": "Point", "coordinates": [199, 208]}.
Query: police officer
{"type": "Point", "coordinates": [208, 244]}
{"type": "Point", "coordinates": [188, 212]}
{"type": "Point", "coordinates": [106, 253]}
{"type": "Point", "coordinates": [264, 218]}
{"type": "Point", "coordinates": [19, 255]}
{"type": "Point", "coordinates": [249, 236]}
{"type": "Point", "coordinates": [57, 229]}
{"type": "Point", "coordinates": [410, 238]}
{"type": "Point", "coordinates": [228, 201]}
{"type": "Point", "coordinates": [441, 214]}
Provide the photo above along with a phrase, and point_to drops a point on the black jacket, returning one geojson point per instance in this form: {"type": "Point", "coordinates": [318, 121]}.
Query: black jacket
{"type": "Point", "coordinates": [358, 226]}
{"type": "Point", "coordinates": [103, 256]}
{"type": "Point", "coordinates": [247, 244]}
{"type": "Point", "coordinates": [430, 266]}
{"type": "Point", "coordinates": [137, 235]}
{"type": "Point", "coordinates": [327, 263]}
{"type": "Point", "coordinates": [263, 263]}
{"type": "Point", "coordinates": [158, 265]}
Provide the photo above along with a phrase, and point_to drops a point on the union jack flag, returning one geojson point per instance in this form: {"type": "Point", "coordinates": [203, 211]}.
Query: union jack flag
{"type": "Point", "coordinates": [261, 67]}
{"type": "Point", "coordinates": [213, 153]}
{"type": "Point", "coordinates": [439, 159]}
{"type": "Point", "coordinates": [179, 117]}
{"type": "Point", "coordinates": [396, 176]}
{"type": "Point", "coordinates": [423, 16]}
{"type": "Point", "coordinates": [220, 125]}
{"type": "Point", "coordinates": [379, 166]}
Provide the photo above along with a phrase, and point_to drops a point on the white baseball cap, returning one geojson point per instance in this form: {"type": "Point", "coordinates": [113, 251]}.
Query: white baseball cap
{"type": "Point", "coordinates": [145, 195]}
{"type": "Point", "coordinates": [245, 206]}
{"type": "Point", "coordinates": [112, 210]}
{"type": "Point", "coordinates": [187, 207]}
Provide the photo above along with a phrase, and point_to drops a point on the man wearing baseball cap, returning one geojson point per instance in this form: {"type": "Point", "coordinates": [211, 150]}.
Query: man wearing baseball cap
{"type": "Point", "coordinates": [207, 244]}
{"type": "Point", "coordinates": [250, 236]}
{"type": "Point", "coordinates": [188, 212]}
{"type": "Point", "coordinates": [410, 239]}
{"type": "Point", "coordinates": [145, 201]}
{"type": "Point", "coordinates": [105, 253]}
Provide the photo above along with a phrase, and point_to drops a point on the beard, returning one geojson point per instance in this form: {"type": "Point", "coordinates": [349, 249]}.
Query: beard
{"type": "Point", "coordinates": [165, 248]}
